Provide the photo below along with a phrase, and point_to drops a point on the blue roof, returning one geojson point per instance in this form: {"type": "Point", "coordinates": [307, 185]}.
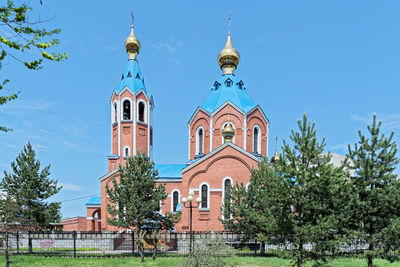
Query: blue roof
{"type": "Point", "coordinates": [132, 78]}
{"type": "Point", "coordinates": [170, 171]}
{"type": "Point", "coordinates": [235, 93]}
{"type": "Point", "coordinates": [94, 201]}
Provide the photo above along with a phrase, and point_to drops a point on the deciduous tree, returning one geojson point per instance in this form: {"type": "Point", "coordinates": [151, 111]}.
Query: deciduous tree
{"type": "Point", "coordinates": [19, 35]}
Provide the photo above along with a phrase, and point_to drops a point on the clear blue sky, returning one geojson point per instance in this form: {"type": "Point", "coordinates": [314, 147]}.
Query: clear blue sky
{"type": "Point", "coordinates": [338, 61]}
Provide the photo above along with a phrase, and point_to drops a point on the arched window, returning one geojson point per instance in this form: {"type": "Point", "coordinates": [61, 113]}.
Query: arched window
{"type": "Point", "coordinates": [204, 196]}
{"type": "Point", "coordinates": [227, 197]}
{"type": "Point", "coordinates": [126, 152]}
{"type": "Point", "coordinates": [256, 140]}
{"type": "Point", "coordinates": [141, 110]}
{"type": "Point", "coordinates": [126, 110]}
{"type": "Point", "coordinates": [175, 200]}
{"type": "Point", "coordinates": [200, 141]}
{"type": "Point", "coordinates": [115, 112]}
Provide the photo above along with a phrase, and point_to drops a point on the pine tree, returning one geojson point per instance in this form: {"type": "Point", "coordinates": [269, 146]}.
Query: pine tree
{"type": "Point", "coordinates": [317, 195]}
{"type": "Point", "coordinates": [376, 193]}
{"type": "Point", "coordinates": [135, 198]}
{"type": "Point", "coordinates": [30, 188]}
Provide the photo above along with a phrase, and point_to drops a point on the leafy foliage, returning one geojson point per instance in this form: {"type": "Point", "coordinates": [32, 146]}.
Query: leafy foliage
{"type": "Point", "coordinates": [134, 199]}
{"type": "Point", "coordinates": [22, 35]}
{"type": "Point", "coordinates": [376, 193]}
{"type": "Point", "coordinates": [30, 188]}
{"type": "Point", "coordinates": [210, 251]}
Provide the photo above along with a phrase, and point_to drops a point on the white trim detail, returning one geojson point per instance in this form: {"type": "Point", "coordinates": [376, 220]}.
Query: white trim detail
{"type": "Point", "coordinates": [172, 198]}
{"type": "Point", "coordinates": [258, 139]}
{"type": "Point", "coordinates": [247, 186]}
{"type": "Point", "coordinates": [208, 195]}
{"type": "Point", "coordinates": [119, 128]}
{"type": "Point", "coordinates": [211, 130]}
{"type": "Point", "coordinates": [197, 140]}
{"type": "Point", "coordinates": [89, 218]}
{"type": "Point", "coordinates": [245, 132]}
{"type": "Point", "coordinates": [189, 137]}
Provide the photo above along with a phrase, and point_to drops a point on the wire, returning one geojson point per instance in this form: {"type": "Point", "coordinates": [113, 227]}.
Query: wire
{"type": "Point", "coordinates": [67, 200]}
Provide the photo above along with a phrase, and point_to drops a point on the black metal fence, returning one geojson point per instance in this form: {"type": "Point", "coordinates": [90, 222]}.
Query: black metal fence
{"type": "Point", "coordinates": [76, 243]}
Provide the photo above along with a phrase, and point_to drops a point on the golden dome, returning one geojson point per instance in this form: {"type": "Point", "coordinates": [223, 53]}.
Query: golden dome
{"type": "Point", "coordinates": [228, 132]}
{"type": "Point", "coordinates": [132, 45]}
{"type": "Point", "coordinates": [276, 155]}
{"type": "Point", "coordinates": [228, 58]}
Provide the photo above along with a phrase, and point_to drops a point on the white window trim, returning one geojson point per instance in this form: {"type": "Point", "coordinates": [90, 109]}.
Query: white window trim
{"type": "Point", "coordinates": [208, 196]}
{"type": "Point", "coordinates": [223, 192]}
{"type": "Point", "coordinates": [258, 139]}
{"type": "Point", "coordinates": [129, 152]}
{"type": "Point", "coordinates": [145, 111]}
{"type": "Point", "coordinates": [223, 126]}
{"type": "Point", "coordinates": [122, 108]}
{"type": "Point", "coordinates": [247, 186]}
{"type": "Point", "coordinates": [197, 139]}
{"type": "Point", "coordinates": [172, 198]}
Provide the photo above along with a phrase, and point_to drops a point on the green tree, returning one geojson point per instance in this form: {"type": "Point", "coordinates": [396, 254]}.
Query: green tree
{"type": "Point", "coordinates": [376, 193]}
{"type": "Point", "coordinates": [134, 199]}
{"type": "Point", "coordinates": [261, 209]}
{"type": "Point", "coordinates": [20, 35]}
{"type": "Point", "coordinates": [31, 188]}
{"type": "Point", "coordinates": [318, 196]}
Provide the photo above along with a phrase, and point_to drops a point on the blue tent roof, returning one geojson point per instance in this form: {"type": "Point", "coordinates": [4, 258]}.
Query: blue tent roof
{"type": "Point", "coordinates": [170, 171]}
{"type": "Point", "coordinates": [228, 88]}
{"type": "Point", "coordinates": [132, 77]}
{"type": "Point", "coordinates": [94, 201]}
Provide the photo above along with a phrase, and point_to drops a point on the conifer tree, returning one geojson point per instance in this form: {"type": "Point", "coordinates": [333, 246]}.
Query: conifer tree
{"type": "Point", "coordinates": [317, 195]}
{"type": "Point", "coordinates": [376, 193]}
{"type": "Point", "coordinates": [259, 210]}
{"type": "Point", "coordinates": [135, 198]}
{"type": "Point", "coordinates": [31, 188]}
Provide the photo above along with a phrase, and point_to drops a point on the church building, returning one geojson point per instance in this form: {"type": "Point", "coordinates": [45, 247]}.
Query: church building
{"type": "Point", "coordinates": [227, 136]}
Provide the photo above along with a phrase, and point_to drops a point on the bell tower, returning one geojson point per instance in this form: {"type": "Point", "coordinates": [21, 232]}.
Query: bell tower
{"type": "Point", "coordinates": [131, 111]}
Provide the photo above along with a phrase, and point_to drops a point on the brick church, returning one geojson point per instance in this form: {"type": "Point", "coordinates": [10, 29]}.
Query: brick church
{"type": "Point", "coordinates": [227, 134]}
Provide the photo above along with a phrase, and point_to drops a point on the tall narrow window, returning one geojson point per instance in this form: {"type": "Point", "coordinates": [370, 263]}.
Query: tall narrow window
{"type": "Point", "coordinates": [175, 200]}
{"type": "Point", "coordinates": [141, 111]}
{"type": "Point", "coordinates": [126, 151]}
{"type": "Point", "coordinates": [227, 198]}
{"type": "Point", "coordinates": [255, 140]}
{"type": "Point", "coordinates": [127, 110]}
{"type": "Point", "coordinates": [201, 141]}
{"type": "Point", "coordinates": [115, 112]}
{"type": "Point", "coordinates": [204, 196]}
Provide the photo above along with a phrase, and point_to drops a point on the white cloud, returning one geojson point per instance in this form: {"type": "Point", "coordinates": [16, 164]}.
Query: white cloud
{"type": "Point", "coordinates": [71, 187]}
{"type": "Point", "coordinates": [22, 107]}
{"type": "Point", "coordinates": [170, 50]}
{"type": "Point", "coordinates": [77, 130]}
{"type": "Point", "coordinates": [389, 122]}
{"type": "Point", "coordinates": [111, 47]}
{"type": "Point", "coordinates": [69, 143]}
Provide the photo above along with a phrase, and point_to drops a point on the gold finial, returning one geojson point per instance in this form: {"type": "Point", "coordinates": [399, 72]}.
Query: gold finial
{"type": "Point", "coordinates": [276, 155]}
{"type": "Point", "coordinates": [229, 57]}
{"type": "Point", "coordinates": [132, 44]}
{"type": "Point", "coordinates": [228, 132]}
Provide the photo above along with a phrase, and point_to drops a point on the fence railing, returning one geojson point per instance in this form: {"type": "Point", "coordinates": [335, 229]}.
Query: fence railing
{"type": "Point", "coordinates": [75, 243]}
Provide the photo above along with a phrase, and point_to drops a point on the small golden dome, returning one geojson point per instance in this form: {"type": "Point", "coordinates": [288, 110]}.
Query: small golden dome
{"type": "Point", "coordinates": [228, 58]}
{"type": "Point", "coordinates": [275, 157]}
{"type": "Point", "coordinates": [132, 45]}
{"type": "Point", "coordinates": [228, 132]}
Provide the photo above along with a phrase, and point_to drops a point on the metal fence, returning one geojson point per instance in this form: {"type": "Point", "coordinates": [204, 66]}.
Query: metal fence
{"type": "Point", "coordinates": [77, 244]}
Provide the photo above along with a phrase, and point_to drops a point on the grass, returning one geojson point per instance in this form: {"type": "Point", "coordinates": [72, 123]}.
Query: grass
{"type": "Point", "coordinates": [175, 260]}
{"type": "Point", "coordinates": [56, 249]}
